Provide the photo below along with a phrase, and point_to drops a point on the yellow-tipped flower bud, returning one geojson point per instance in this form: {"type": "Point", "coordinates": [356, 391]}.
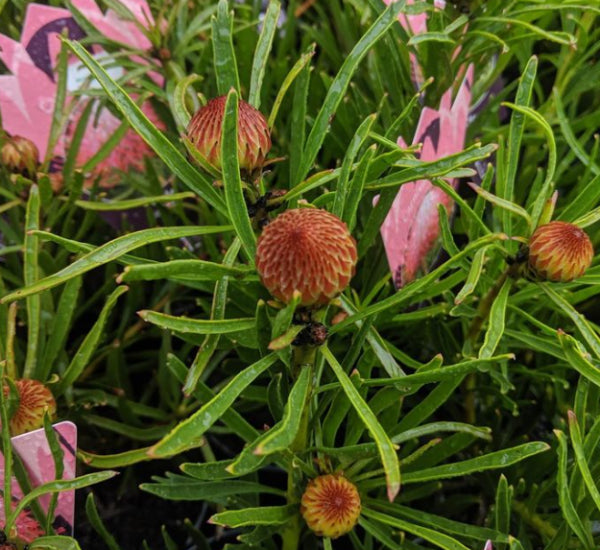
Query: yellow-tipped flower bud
{"type": "Point", "coordinates": [559, 251]}
{"type": "Point", "coordinates": [34, 400]}
{"type": "Point", "coordinates": [20, 156]}
{"type": "Point", "coordinates": [330, 505]}
{"type": "Point", "coordinates": [254, 137]}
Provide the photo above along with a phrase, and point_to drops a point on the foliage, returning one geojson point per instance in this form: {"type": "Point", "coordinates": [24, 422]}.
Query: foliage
{"type": "Point", "coordinates": [457, 427]}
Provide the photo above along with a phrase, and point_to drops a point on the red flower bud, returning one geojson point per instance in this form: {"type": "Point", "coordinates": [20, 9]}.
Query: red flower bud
{"type": "Point", "coordinates": [559, 251]}
{"type": "Point", "coordinates": [34, 400]}
{"type": "Point", "coordinates": [307, 250]}
{"type": "Point", "coordinates": [330, 505]}
{"type": "Point", "coordinates": [20, 155]}
{"type": "Point", "coordinates": [254, 138]}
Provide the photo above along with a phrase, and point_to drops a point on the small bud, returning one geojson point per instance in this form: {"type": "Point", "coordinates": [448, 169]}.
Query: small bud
{"type": "Point", "coordinates": [20, 156]}
{"type": "Point", "coordinates": [254, 138]}
{"type": "Point", "coordinates": [330, 505]}
{"type": "Point", "coordinates": [34, 400]}
{"type": "Point", "coordinates": [559, 251]}
{"type": "Point", "coordinates": [307, 250]}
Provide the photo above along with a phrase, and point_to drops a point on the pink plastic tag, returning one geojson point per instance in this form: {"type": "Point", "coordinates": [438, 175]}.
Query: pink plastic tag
{"type": "Point", "coordinates": [411, 227]}
{"type": "Point", "coordinates": [34, 451]}
{"type": "Point", "coordinates": [27, 94]}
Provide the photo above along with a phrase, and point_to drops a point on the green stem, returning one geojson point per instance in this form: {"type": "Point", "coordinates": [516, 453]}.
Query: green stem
{"type": "Point", "coordinates": [303, 358]}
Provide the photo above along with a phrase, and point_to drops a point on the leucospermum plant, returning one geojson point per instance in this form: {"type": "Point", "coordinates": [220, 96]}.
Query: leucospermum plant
{"type": "Point", "coordinates": [274, 369]}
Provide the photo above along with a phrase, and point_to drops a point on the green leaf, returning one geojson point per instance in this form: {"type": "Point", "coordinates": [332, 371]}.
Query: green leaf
{"type": "Point", "coordinates": [340, 83]}
{"type": "Point", "coordinates": [506, 186]}
{"type": "Point", "coordinates": [261, 54]}
{"type": "Point", "coordinates": [225, 63]}
{"type": "Point", "coordinates": [473, 276]}
{"type": "Point", "coordinates": [217, 312]}
{"type": "Point", "coordinates": [59, 486]}
{"type": "Point", "coordinates": [234, 193]}
{"type": "Point", "coordinates": [181, 96]}
{"type": "Point", "coordinates": [567, 507]}
{"type": "Point", "coordinates": [578, 359]}
{"type": "Point", "coordinates": [54, 542]}
{"type": "Point", "coordinates": [149, 133]}
{"type": "Point", "coordinates": [434, 537]}
{"type": "Point", "coordinates": [386, 448]}
{"type": "Point", "coordinates": [265, 515]}
{"type": "Point", "coordinates": [110, 251]}
{"type": "Point", "coordinates": [31, 272]}
{"type": "Point", "coordinates": [491, 461]}
{"type": "Point", "coordinates": [281, 436]}
{"type": "Point", "coordinates": [579, 320]}
{"type": "Point", "coordinates": [110, 206]}
{"type": "Point", "coordinates": [88, 346]}
{"type": "Point", "coordinates": [192, 428]}
{"type": "Point", "coordinates": [188, 270]}
{"type": "Point", "coordinates": [496, 322]}
{"type": "Point", "coordinates": [581, 460]}
{"type": "Point", "coordinates": [342, 191]}
{"type": "Point", "coordinates": [196, 326]}
{"type": "Point", "coordinates": [96, 522]}
{"type": "Point", "coordinates": [183, 488]}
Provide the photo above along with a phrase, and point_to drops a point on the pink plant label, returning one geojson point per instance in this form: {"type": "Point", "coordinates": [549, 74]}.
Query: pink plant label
{"type": "Point", "coordinates": [28, 93]}
{"type": "Point", "coordinates": [411, 228]}
{"type": "Point", "coordinates": [34, 452]}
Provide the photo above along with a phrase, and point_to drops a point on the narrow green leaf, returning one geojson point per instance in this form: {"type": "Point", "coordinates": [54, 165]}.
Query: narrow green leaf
{"type": "Point", "coordinates": [263, 49]}
{"type": "Point", "coordinates": [225, 63]}
{"type": "Point", "coordinates": [196, 326]}
{"type": "Point", "coordinates": [191, 429]}
{"type": "Point", "coordinates": [338, 87]}
{"type": "Point", "coordinates": [175, 161]}
{"type": "Point", "coordinates": [110, 251]}
{"type": "Point", "coordinates": [496, 322]}
{"type": "Point", "coordinates": [234, 193]}
{"type": "Point", "coordinates": [88, 346]}
{"type": "Point", "coordinates": [132, 203]}
{"type": "Point", "coordinates": [54, 542]}
{"type": "Point", "coordinates": [504, 204]}
{"type": "Point", "coordinates": [579, 320]}
{"type": "Point", "coordinates": [434, 537]}
{"type": "Point", "coordinates": [342, 191]}
{"type": "Point", "coordinates": [491, 461]}
{"type": "Point", "coordinates": [96, 522]}
{"type": "Point", "coordinates": [217, 312]}
{"type": "Point", "coordinates": [213, 491]}
{"type": "Point", "coordinates": [31, 273]}
{"type": "Point", "coordinates": [577, 358]}
{"type": "Point", "coordinates": [281, 436]}
{"type": "Point", "coordinates": [473, 276]}
{"type": "Point", "coordinates": [386, 449]}
{"type": "Point", "coordinates": [567, 507]}
{"type": "Point", "coordinates": [265, 515]}
{"type": "Point", "coordinates": [581, 460]}
{"type": "Point", "coordinates": [190, 270]}
{"type": "Point", "coordinates": [182, 95]}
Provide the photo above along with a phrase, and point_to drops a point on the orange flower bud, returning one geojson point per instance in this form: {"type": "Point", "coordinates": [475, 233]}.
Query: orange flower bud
{"type": "Point", "coordinates": [34, 400]}
{"type": "Point", "coordinates": [20, 155]}
{"type": "Point", "coordinates": [330, 505]}
{"type": "Point", "coordinates": [254, 138]}
{"type": "Point", "coordinates": [559, 251]}
{"type": "Point", "coordinates": [307, 250]}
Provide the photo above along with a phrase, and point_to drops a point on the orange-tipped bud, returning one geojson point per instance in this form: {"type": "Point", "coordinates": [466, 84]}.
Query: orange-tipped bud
{"type": "Point", "coordinates": [20, 155]}
{"type": "Point", "coordinates": [307, 250]}
{"type": "Point", "coordinates": [254, 138]}
{"type": "Point", "coordinates": [34, 400]}
{"type": "Point", "coordinates": [559, 251]}
{"type": "Point", "coordinates": [330, 505]}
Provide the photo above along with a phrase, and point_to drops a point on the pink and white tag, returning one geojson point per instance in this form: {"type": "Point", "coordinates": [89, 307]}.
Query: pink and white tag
{"type": "Point", "coordinates": [411, 227]}
{"type": "Point", "coordinates": [33, 450]}
{"type": "Point", "coordinates": [28, 93]}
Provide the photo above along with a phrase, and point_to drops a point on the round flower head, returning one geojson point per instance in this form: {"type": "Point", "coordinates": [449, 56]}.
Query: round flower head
{"type": "Point", "coordinates": [34, 400]}
{"type": "Point", "coordinates": [330, 505]}
{"type": "Point", "coordinates": [559, 251]}
{"type": "Point", "coordinates": [20, 155]}
{"type": "Point", "coordinates": [254, 138]}
{"type": "Point", "coordinates": [307, 250]}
